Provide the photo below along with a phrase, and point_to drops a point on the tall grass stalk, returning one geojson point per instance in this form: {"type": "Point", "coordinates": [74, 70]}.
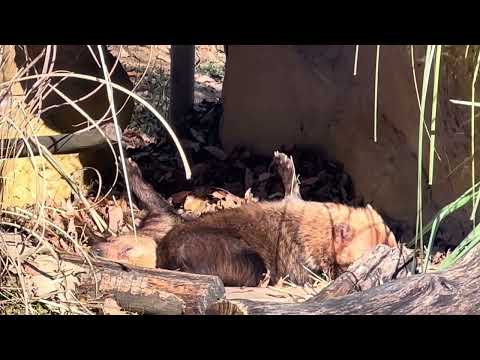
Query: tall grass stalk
{"type": "Point", "coordinates": [425, 82]}
{"type": "Point", "coordinates": [436, 81]}
{"type": "Point", "coordinates": [375, 110]}
{"type": "Point", "coordinates": [472, 136]}
{"type": "Point", "coordinates": [111, 101]}
{"type": "Point", "coordinates": [434, 224]}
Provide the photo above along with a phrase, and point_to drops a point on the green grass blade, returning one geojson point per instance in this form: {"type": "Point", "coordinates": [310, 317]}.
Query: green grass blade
{"type": "Point", "coordinates": [459, 203]}
{"type": "Point", "coordinates": [461, 250]}
{"type": "Point", "coordinates": [433, 226]}
{"type": "Point", "coordinates": [434, 112]}
{"type": "Point", "coordinates": [472, 136]}
{"type": "Point", "coordinates": [426, 76]}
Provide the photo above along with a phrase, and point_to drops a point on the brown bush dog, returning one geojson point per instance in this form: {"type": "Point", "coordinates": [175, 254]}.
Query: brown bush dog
{"type": "Point", "coordinates": [241, 245]}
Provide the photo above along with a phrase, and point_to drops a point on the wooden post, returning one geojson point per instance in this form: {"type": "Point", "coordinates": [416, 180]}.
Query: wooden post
{"type": "Point", "coordinates": [182, 77]}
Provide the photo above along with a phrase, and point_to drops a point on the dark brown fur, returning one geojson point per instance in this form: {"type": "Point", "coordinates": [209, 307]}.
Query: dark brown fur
{"type": "Point", "coordinates": [241, 245]}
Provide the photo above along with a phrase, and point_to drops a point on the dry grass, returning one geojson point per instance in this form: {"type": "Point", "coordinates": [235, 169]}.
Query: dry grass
{"type": "Point", "coordinates": [32, 236]}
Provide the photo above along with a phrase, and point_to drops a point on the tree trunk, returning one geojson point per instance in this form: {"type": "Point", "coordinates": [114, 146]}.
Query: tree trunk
{"type": "Point", "coordinates": [182, 82]}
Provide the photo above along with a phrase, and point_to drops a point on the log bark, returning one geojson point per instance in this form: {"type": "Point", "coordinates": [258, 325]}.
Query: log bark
{"type": "Point", "coordinates": [454, 291]}
{"type": "Point", "coordinates": [375, 268]}
{"type": "Point", "coordinates": [148, 291]}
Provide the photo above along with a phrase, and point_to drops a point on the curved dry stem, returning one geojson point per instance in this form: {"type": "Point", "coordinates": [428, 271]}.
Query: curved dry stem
{"type": "Point", "coordinates": [188, 172]}
{"type": "Point", "coordinates": [119, 136]}
{"type": "Point", "coordinates": [95, 124]}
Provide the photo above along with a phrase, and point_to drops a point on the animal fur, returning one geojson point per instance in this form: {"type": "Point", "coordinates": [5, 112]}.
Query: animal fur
{"type": "Point", "coordinates": [243, 244]}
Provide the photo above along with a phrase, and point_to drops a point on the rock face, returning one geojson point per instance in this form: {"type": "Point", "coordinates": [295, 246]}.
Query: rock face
{"type": "Point", "coordinates": [78, 59]}
{"type": "Point", "coordinates": [307, 95]}
{"type": "Point", "coordinates": [25, 181]}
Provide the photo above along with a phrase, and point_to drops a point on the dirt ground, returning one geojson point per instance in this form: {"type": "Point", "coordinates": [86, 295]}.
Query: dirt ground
{"type": "Point", "coordinates": [149, 68]}
{"type": "Point", "coordinates": [209, 65]}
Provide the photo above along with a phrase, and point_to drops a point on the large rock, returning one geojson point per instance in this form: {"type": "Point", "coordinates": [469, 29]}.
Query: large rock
{"type": "Point", "coordinates": [307, 95]}
{"type": "Point", "coordinates": [27, 181]}
{"type": "Point", "coordinates": [78, 59]}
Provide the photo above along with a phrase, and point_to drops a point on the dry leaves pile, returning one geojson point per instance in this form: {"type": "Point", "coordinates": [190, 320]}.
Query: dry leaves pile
{"type": "Point", "coordinates": [32, 278]}
{"type": "Point", "coordinates": [238, 171]}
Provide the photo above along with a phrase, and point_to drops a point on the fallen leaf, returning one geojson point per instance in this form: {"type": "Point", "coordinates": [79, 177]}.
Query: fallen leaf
{"type": "Point", "coordinates": [58, 220]}
{"type": "Point", "coordinates": [197, 135]}
{"type": "Point", "coordinates": [56, 279]}
{"type": "Point", "coordinates": [179, 198]}
{"type": "Point", "coordinates": [115, 218]}
{"type": "Point", "coordinates": [194, 204]}
{"type": "Point", "coordinates": [216, 152]}
{"type": "Point", "coordinates": [190, 144]}
{"type": "Point", "coordinates": [219, 194]}
{"type": "Point", "coordinates": [229, 203]}
{"type": "Point", "coordinates": [210, 208]}
{"type": "Point", "coordinates": [71, 230]}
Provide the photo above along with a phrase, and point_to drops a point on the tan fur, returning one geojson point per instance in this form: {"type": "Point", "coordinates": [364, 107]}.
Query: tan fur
{"type": "Point", "coordinates": [242, 245]}
{"type": "Point", "coordinates": [281, 237]}
{"type": "Point", "coordinates": [139, 251]}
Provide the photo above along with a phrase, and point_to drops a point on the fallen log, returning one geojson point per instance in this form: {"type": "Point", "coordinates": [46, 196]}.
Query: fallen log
{"type": "Point", "coordinates": [454, 291]}
{"type": "Point", "coordinates": [271, 294]}
{"type": "Point", "coordinates": [148, 291]}
{"type": "Point", "coordinates": [235, 296]}
{"type": "Point", "coordinates": [375, 268]}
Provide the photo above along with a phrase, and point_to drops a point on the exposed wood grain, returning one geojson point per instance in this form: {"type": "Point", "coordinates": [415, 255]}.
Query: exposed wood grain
{"type": "Point", "coordinates": [455, 291]}
{"type": "Point", "coordinates": [153, 291]}
{"type": "Point", "coordinates": [375, 268]}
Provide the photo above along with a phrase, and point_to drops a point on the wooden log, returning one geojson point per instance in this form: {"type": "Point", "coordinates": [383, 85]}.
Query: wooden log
{"type": "Point", "coordinates": [145, 291]}
{"type": "Point", "coordinates": [236, 296]}
{"type": "Point", "coordinates": [375, 268]}
{"type": "Point", "coordinates": [156, 303]}
{"type": "Point", "coordinates": [149, 291]}
{"type": "Point", "coordinates": [454, 291]}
